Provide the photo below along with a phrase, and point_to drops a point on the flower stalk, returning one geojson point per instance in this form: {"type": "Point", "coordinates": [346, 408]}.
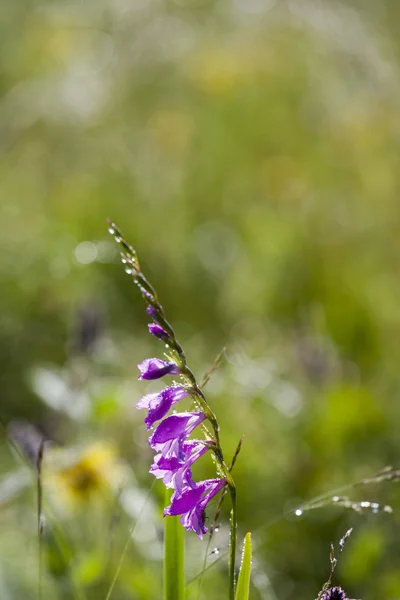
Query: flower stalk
{"type": "Point", "coordinates": [175, 453]}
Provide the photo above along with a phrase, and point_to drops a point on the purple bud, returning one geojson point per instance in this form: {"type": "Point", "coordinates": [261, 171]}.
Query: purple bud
{"type": "Point", "coordinates": [151, 311]}
{"type": "Point", "coordinates": [146, 295]}
{"type": "Point", "coordinates": [158, 331]}
{"type": "Point", "coordinates": [154, 368]}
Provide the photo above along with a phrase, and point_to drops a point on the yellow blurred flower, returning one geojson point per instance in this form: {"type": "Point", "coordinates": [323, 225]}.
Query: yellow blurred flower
{"type": "Point", "coordinates": [78, 476]}
{"type": "Point", "coordinates": [218, 70]}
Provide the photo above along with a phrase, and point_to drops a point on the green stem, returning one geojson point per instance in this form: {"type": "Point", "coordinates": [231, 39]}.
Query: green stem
{"type": "Point", "coordinates": [174, 557]}
{"type": "Point", "coordinates": [232, 543]}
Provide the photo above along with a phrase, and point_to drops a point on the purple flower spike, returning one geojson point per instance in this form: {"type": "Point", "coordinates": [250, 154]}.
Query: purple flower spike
{"type": "Point", "coordinates": [154, 368]}
{"type": "Point", "coordinates": [174, 429]}
{"type": "Point", "coordinates": [334, 593]}
{"type": "Point", "coordinates": [176, 472]}
{"type": "Point", "coordinates": [158, 331]}
{"type": "Point", "coordinates": [191, 504]}
{"type": "Point", "coordinates": [159, 404]}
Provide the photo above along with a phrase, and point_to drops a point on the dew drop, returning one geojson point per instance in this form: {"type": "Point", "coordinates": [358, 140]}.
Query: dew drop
{"type": "Point", "coordinates": [375, 507]}
{"type": "Point", "coordinates": [123, 260]}
{"type": "Point", "coordinates": [387, 509]}
{"type": "Point", "coordinates": [118, 239]}
{"type": "Point", "coordinates": [42, 522]}
{"type": "Point", "coordinates": [111, 230]}
{"type": "Point", "coordinates": [216, 529]}
{"type": "Point", "coordinates": [128, 270]}
{"type": "Point", "coordinates": [215, 551]}
{"type": "Point", "coordinates": [298, 512]}
{"type": "Point", "coordinates": [335, 499]}
{"type": "Point", "coordinates": [365, 504]}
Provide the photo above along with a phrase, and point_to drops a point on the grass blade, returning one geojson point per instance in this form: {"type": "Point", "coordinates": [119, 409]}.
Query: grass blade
{"type": "Point", "coordinates": [174, 557]}
{"type": "Point", "coordinates": [243, 585]}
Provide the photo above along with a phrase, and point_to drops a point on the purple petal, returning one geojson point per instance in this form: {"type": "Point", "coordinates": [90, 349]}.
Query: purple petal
{"type": "Point", "coordinates": [151, 311]}
{"type": "Point", "coordinates": [147, 401]}
{"type": "Point", "coordinates": [154, 368]}
{"type": "Point", "coordinates": [175, 426]}
{"type": "Point", "coordinates": [172, 448]}
{"type": "Point", "coordinates": [186, 502]}
{"type": "Point", "coordinates": [334, 593]}
{"type": "Point", "coordinates": [176, 471]}
{"type": "Point", "coordinates": [194, 501]}
{"type": "Point", "coordinates": [195, 518]}
{"type": "Point", "coordinates": [166, 464]}
{"type": "Point", "coordinates": [158, 331]}
{"type": "Point", "coordinates": [195, 521]}
{"type": "Point", "coordinates": [159, 404]}
{"type": "Point", "coordinates": [176, 478]}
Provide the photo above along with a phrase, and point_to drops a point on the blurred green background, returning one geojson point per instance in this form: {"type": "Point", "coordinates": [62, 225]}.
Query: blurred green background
{"type": "Point", "coordinates": [249, 150]}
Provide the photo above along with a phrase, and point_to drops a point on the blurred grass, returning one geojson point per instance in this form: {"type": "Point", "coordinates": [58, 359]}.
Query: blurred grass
{"type": "Point", "coordinates": [249, 151]}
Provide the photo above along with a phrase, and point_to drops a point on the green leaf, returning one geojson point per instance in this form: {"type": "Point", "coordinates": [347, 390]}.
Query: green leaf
{"type": "Point", "coordinates": [243, 585]}
{"type": "Point", "coordinates": [174, 557]}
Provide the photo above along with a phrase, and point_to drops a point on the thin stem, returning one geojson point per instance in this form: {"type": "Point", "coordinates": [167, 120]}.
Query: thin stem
{"type": "Point", "coordinates": [128, 541]}
{"type": "Point", "coordinates": [232, 543]}
{"type": "Point", "coordinates": [213, 368]}
{"type": "Point", "coordinates": [40, 523]}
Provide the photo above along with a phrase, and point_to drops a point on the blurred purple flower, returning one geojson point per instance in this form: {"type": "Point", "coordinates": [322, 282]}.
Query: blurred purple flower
{"type": "Point", "coordinates": [151, 311]}
{"type": "Point", "coordinates": [176, 471]}
{"type": "Point", "coordinates": [191, 504]}
{"type": "Point", "coordinates": [146, 294]}
{"type": "Point", "coordinates": [154, 368]}
{"type": "Point", "coordinates": [158, 331]}
{"type": "Point", "coordinates": [334, 593]}
{"type": "Point", "coordinates": [158, 404]}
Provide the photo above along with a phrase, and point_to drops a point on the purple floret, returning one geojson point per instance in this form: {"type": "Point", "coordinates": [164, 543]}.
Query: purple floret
{"type": "Point", "coordinates": [191, 504]}
{"type": "Point", "coordinates": [151, 311]}
{"type": "Point", "coordinates": [158, 331]}
{"type": "Point", "coordinates": [175, 428]}
{"type": "Point", "coordinates": [158, 404]}
{"type": "Point", "coordinates": [334, 593]}
{"type": "Point", "coordinates": [154, 368]}
{"type": "Point", "coordinates": [176, 472]}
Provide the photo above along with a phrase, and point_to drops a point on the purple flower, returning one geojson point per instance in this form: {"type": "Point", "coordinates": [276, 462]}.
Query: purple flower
{"type": "Point", "coordinates": [151, 311]}
{"type": "Point", "coordinates": [334, 593]}
{"type": "Point", "coordinates": [176, 471]}
{"type": "Point", "coordinates": [169, 436]}
{"type": "Point", "coordinates": [146, 294]}
{"type": "Point", "coordinates": [159, 404]}
{"type": "Point", "coordinates": [191, 504]}
{"type": "Point", "coordinates": [154, 368]}
{"type": "Point", "coordinates": [158, 331]}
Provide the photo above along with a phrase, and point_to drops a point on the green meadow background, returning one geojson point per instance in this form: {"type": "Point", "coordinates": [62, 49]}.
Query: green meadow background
{"type": "Point", "coordinates": [249, 150]}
